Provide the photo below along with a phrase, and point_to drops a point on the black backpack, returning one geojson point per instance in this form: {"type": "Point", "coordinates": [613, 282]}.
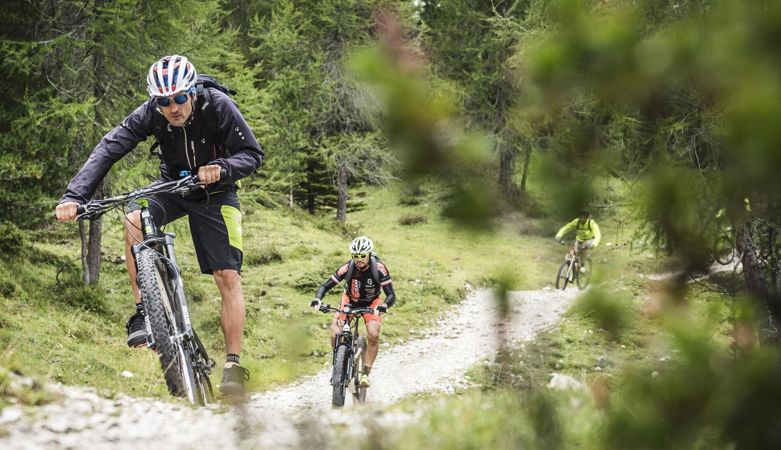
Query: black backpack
{"type": "Point", "coordinates": [373, 260]}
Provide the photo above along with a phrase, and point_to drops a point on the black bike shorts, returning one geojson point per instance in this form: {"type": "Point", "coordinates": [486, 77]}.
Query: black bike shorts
{"type": "Point", "coordinates": [215, 225]}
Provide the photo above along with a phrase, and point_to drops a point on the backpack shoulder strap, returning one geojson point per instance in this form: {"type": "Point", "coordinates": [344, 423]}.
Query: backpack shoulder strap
{"type": "Point", "coordinates": [349, 274]}
{"type": "Point", "coordinates": [373, 265]}
{"type": "Point", "coordinates": [209, 113]}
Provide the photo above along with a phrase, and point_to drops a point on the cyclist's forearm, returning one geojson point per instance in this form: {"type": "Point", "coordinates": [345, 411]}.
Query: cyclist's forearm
{"type": "Point", "coordinates": [390, 296]}
{"type": "Point", "coordinates": [329, 283]}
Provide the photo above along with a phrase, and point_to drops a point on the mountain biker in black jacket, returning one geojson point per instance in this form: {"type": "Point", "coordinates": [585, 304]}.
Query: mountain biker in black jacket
{"type": "Point", "coordinates": [200, 131]}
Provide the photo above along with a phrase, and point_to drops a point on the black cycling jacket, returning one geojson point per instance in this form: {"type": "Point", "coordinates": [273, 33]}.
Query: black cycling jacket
{"type": "Point", "coordinates": [230, 144]}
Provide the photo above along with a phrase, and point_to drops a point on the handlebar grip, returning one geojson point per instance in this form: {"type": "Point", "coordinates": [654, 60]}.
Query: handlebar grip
{"type": "Point", "coordinates": [223, 175]}
{"type": "Point", "coordinates": [80, 209]}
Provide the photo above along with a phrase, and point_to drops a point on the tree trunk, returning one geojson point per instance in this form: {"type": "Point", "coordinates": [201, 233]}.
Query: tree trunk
{"type": "Point", "coordinates": [507, 155]}
{"type": "Point", "coordinates": [290, 195]}
{"type": "Point", "coordinates": [526, 160]}
{"type": "Point", "coordinates": [341, 187]}
{"type": "Point", "coordinates": [755, 284]}
{"type": "Point", "coordinates": [91, 246]}
{"type": "Point", "coordinates": [310, 194]}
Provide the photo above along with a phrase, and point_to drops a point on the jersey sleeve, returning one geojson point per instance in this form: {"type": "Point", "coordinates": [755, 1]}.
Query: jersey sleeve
{"type": "Point", "coordinates": [246, 155]}
{"type": "Point", "coordinates": [385, 277]}
{"type": "Point", "coordinates": [115, 144]}
{"type": "Point", "coordinates": [597, 233]}
{"type": "Point", "coordinates": [567, 228]}
{"type": "Point", "coordinates": [341, 272]}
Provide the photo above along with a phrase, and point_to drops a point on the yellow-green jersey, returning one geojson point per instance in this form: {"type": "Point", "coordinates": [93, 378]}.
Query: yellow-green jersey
{"type": "Point", "coordinates": [585, 230]}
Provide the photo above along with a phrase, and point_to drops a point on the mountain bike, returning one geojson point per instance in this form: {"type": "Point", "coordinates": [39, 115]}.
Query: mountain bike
{"type": "Point", "coordinates": [574, 268]}
{"type": "Point", "coordinates": [348, 356]}
{"type": "Point", "coordinates": [183, 358]}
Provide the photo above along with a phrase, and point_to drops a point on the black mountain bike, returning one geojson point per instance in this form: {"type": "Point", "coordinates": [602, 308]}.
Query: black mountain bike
{"type": "Point", "coordinates": [185, 363]}
{"type": "Point", "coordinates": [570, 270]}
{"type": "Point", "coordinates": [348, 356]}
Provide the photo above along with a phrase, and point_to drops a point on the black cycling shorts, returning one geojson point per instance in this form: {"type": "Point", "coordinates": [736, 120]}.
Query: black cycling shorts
{"type": "Point", "coordinates": [215, 225]}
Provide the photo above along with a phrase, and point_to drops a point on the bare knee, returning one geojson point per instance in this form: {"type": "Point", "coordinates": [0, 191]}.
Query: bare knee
{"type": "Point", "coordinates": [373, 334]}
{"type": "Point", "coordinates": [227, 277]}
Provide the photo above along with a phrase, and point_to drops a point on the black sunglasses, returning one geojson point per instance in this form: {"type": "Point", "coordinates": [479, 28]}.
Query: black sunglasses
{"type": "Point", "coordinates": [180, 99]}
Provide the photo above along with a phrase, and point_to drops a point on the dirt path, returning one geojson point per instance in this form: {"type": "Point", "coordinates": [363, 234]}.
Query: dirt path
{"type": "Point", "coordinates": [297, 416]}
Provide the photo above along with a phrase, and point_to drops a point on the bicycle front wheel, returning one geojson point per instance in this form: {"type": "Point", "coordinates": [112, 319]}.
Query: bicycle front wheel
{"type": "Point", "coordinates": [562, 277]}
{"type": "Point", "coordinates": [159, 309]}
{"type": "Point", "coordinates": [359, 396]}
{"type": "Point", "coordinates": [723, 250]}
{"type": "Point", "coordinates": [340, 376]}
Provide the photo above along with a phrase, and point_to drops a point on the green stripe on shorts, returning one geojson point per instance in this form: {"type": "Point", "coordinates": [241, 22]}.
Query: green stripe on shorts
{"type": "Point", "coordinates": [232, 218]}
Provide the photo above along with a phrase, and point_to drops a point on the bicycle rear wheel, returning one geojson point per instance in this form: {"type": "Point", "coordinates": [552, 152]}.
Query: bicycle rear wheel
{"type": "Point", "coordinates": [339, 379]}
{"type": "Point", "coordinates": [202, 368]}
{"type": "Point", "coordinates": [159, 309]}
{"type": "Point", "coordinates": [359, 396]}
{"type": "Point", "coordinates": [584, 277]}
{"type": "Point", "coordinates": [563, 275]}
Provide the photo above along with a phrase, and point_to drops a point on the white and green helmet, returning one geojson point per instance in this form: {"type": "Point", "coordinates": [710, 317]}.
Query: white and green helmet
{"type": "Point", "coordinates": [361, 244]}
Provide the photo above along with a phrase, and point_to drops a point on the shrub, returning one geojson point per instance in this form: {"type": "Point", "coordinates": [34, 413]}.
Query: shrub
{"type": "Point", "coordinates": [263, 255]}
{"type": "Point", "coordinates": [412, 219]}
{"type": "Point", "coordinates": [12, 239]}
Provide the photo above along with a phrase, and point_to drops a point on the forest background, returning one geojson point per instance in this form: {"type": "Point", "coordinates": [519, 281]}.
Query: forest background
{"type": "Point", "coordinates": [658, 112]}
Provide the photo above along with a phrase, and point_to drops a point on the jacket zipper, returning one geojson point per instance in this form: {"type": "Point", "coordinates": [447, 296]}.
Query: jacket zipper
{"type": "Point", "coordinates": [186, 154]}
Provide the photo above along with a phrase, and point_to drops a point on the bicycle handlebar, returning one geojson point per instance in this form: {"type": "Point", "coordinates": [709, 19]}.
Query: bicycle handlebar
{"type": "Point", "coordinates": [97, 208]}
{"type": "Point", "coordinates": [346, 310]}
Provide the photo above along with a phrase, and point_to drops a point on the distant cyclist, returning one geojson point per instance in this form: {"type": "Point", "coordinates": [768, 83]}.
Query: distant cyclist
{"type": "Point", "coordinates": [587, 234]}
{"type": "Point", "coordinates": [365, 274]}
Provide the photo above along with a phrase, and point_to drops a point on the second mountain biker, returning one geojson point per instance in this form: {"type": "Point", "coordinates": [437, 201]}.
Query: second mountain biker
{"type": "Point", "coordinates": [200, 131]}
{"type": "Point", "coordinates": [365, 274]}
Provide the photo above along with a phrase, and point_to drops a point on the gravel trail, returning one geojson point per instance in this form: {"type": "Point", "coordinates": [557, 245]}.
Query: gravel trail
{"type": "Point", "coordinates": [295, 416]}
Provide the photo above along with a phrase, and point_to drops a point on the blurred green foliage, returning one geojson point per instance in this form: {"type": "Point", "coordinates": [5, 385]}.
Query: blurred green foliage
{"type": "Point", "coordinates": [677, 99]}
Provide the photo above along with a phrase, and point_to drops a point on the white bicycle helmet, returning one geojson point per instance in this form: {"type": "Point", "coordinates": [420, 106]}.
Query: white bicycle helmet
{"type": "Point", "coordinates": [361, 244]}
{"type": "Point", "coordinates": [169, 75]}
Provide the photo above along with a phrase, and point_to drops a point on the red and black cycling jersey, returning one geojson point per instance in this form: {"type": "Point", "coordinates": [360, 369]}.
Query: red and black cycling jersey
{"type": "Point", "coordinates": [362, 285]}
{"type": "Point", "coordinates": [362, 288]}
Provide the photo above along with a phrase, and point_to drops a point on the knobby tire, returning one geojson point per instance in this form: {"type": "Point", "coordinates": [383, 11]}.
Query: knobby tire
{"type": "Point", "coordinates": [562, 276]}
{"type": "Point", "coordinates": [340, 375]}
{"type": "Point", "coordinates": [158, 307]}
